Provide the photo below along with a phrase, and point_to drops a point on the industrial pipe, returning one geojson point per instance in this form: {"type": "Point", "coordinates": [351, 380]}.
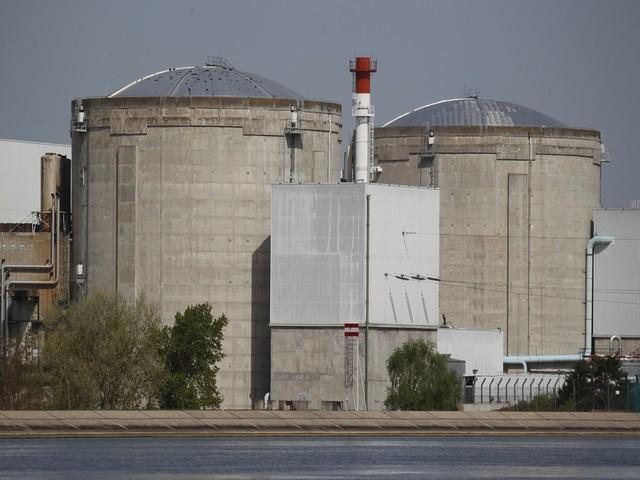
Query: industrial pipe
{"type": "Point", "coordinates": [367, 304]}
{"type": "Point", "coordinates": [329, 150]}
{"type": "Point", "coordinates": [588, 336]}
{"type": "Point", "coordinates": [518, 359]}
{"type": "Point", "coordinates": [5, 268]}
{"type": "Point", "coordinates": [615, 337]}
{"type": "Point", "coordinates": [56, 270]}
{"type": "Point", "coordinates": [526, 359]}
{"type": "Point", "coordinates": [53, 263]}
{"type": "Point", "coordinates": [524, 366]}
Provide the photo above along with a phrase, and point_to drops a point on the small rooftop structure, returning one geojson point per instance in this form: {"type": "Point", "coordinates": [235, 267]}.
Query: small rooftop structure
{"type": "Point", "coordinates": [216, 78]}
{"type": "Point", "coordinates": [473, 111]}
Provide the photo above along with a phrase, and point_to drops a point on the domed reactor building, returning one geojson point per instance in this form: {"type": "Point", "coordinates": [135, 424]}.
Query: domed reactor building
{"type": "Point", "coordinates": [517, 194]}
{"type": "Point", "coordinates": [172, 180]}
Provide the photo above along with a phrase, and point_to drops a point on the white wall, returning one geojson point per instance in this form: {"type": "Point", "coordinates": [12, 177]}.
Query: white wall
{"type": "Point", "coordinates": [481, 350]}
{"type": "Point", "coordinates": [318, 251]}
{"type": "Point", "coordinates": [20, 177]}
{"type": "Point", "coordinates": [317, 254]}
{"type": "Point", "coordinates": [404, 232]}
{"type": "Point", "coordinates": [616, 274]}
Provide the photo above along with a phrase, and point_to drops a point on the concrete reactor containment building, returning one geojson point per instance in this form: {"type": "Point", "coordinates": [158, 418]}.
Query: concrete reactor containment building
{"type": "Point", "coordinates": [172, 184]}
{"type": "Point", "coordinates": [517, 195]}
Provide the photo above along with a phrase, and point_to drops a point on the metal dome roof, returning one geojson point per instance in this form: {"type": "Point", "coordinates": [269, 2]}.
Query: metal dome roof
{"type": "Point", "coordinates": [216, 78]}
{"type": "Point", "coordinates": [473, 111]}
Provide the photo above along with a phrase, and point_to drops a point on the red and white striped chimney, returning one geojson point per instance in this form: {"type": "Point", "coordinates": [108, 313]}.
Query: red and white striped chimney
{"type": "Point", "coordinates": [362, 69]}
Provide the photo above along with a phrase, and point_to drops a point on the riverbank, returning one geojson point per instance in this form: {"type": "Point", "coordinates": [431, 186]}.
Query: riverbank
{"type": "Point", "coordinates": [100, 423]}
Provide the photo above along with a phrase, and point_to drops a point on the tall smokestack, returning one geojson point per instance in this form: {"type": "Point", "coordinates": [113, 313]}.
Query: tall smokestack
{"type": "Point", "coordinates": [362, 69]}
{"type": "Point", "coordinates": [55, 178]}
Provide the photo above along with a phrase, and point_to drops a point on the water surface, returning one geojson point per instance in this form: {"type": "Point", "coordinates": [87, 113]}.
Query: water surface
{"type": "Point", "coordinates": [484, 457]}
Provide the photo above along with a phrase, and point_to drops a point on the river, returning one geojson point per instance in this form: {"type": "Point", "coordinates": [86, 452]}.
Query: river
{"type": "Point", "coordinates": [406, 457]}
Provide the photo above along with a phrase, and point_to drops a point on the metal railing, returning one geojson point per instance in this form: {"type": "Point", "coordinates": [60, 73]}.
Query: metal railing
{"type": "Point", "coordinates": [510, 389]}
{"type": "Point", "coordinates": [543, 390]}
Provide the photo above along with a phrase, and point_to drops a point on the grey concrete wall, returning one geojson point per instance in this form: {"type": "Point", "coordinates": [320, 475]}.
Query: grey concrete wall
{"type": "Point", "coordinates": [175, 205]}
{"type": "Point", "coordinates": [309, 364]}
{"type": "Point", "coordinates": [516, 211]}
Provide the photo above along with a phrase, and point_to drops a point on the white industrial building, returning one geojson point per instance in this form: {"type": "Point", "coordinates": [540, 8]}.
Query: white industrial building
{"type": "Point", "coordinates": [616, 281]}
{"type": "Point", "coordinates": [319, 252]}
{"type": "Point", "coordinates": [20, 177]}
{"type": "Point", "coordinates": [348, 254]}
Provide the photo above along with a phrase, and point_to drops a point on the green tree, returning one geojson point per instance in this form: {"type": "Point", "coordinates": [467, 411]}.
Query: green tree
{"type": "Point", "coordinates": [596, 383]}
{"type": "Point", "coordinates": [420, 379]}
{"type": "Point", "coordinates": [192, 349]}
{"type": "Point", "coordinates": [103, 353]}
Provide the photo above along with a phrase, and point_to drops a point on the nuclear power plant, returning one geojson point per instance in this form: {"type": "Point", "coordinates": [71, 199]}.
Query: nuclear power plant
{"type": "Point", "coordinates": [466, 222]}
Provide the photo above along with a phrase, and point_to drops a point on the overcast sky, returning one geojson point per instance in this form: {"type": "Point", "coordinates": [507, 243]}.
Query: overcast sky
{"type": "Point", "coordinates": [577, 61]}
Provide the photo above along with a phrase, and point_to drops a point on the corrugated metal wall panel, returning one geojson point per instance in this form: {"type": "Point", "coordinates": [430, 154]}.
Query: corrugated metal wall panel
{"type": "Point", "coordinates": [404, 254]}
{"type": "Point", "coordinates": [318, 255]}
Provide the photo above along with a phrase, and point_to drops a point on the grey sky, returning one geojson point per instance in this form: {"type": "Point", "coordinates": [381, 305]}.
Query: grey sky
{"type": "Point", "coordinates": [577, 61]}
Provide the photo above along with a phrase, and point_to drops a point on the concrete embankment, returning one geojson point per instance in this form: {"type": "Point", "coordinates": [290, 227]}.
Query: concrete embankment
{"type": "Point", "coordinates": [258, 422]}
